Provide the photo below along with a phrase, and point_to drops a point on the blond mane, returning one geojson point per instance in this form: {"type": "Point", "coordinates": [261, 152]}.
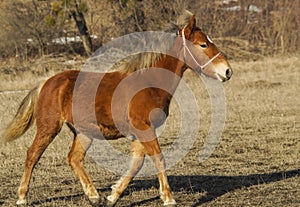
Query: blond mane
{"type": "Point", "coordinates": [162, 44]}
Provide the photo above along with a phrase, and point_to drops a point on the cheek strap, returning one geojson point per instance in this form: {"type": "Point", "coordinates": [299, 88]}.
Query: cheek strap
{"type": "Point", "coordinates": [186, 49]}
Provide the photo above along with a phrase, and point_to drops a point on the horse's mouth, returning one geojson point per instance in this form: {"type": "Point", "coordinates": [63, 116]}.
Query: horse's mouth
{"type": "Point", "coordinates": [222, 78]}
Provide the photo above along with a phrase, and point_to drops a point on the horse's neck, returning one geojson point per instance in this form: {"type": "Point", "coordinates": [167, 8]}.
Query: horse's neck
{"type": "Point", "coordinates": [174, 70]}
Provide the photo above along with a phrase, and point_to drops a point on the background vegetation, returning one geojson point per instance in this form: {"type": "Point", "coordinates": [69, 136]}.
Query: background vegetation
{"type": "Point", "coordinates": [248, 28]}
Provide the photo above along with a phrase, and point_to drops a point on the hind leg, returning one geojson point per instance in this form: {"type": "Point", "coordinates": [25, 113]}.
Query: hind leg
{"type": "Point", "coordinates": [34, 153]}
{"type": "Point", "coordinates": [75, 157]}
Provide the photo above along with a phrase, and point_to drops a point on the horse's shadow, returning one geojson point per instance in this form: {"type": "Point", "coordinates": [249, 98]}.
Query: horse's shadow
{"type": "Point", "coordinates": [214, 186]}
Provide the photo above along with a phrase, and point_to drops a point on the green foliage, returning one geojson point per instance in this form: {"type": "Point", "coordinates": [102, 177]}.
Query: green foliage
{"type": "Point", "coordinates": [83, 7]}
{"type": "Point", "coordinates": [62, 9]}
{"type": "Point", "coordinates": [67, 5]}
{"type": "Point", "coordinates": [50, 20]}
{"type": "Point", "coordinates": [56, 6]}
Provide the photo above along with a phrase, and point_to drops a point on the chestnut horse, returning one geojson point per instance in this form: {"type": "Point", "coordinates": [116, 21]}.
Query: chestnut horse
{"type": "Point", "coordinates": [51, 104]}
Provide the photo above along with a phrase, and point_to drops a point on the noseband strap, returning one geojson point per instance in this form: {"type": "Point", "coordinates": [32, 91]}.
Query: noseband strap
{"type": "Point", "coordinates": [185, 48]}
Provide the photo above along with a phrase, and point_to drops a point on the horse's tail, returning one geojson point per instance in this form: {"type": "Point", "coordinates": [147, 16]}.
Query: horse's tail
{"type": "Point", "coordinates": [24, 117]}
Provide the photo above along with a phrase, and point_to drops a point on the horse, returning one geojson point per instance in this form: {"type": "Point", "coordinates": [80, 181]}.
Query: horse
{"type": "Point", "coordinates": [51, 105]}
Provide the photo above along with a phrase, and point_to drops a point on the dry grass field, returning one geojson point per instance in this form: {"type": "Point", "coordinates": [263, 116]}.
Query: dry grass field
{"type": "Point", "coordinates": [256, 163]}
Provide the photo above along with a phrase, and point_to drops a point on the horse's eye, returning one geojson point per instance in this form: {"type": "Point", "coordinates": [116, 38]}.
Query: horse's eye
{"type": "Point", "coordinates": [203, 45]}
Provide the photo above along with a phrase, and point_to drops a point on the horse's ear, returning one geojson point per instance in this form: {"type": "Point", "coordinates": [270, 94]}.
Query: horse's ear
{"type": "Point", "coordinates": [189, 29]}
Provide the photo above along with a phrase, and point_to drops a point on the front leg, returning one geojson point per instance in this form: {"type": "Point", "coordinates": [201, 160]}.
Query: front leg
{"type": "Point", "coordinates": [138, 156]}
{"type": "Point", "coordinates": [164, 189]}
{"type": "Point", "coordinates": [153, 150]}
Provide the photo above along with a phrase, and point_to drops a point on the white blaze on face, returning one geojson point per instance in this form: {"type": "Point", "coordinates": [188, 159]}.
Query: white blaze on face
{"type": "Point", "coordinates": [208, 38]}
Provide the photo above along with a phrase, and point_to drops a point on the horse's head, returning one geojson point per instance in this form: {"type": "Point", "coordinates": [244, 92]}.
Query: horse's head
{"type": "Point", "coordinates": [201, 54]}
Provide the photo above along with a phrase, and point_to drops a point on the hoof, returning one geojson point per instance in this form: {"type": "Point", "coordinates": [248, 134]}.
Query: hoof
{"type": "Point", "coordinates": [171, 203]}
{"type": "Point", "coordinates": [110, 204]}
{"type": "Point", "coordinates": [97, 201]}
{"type": "Point", "coordinates": [21, 202]}
{"type": "Point", "coordinates": [110, 201]}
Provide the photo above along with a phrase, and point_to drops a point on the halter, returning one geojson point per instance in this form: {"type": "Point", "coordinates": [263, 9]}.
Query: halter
{"type": "Point", "coordinates": [185, 48]}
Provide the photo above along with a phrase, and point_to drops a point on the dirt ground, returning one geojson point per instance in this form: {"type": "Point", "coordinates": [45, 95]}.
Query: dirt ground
{"type": "Point", "coordinates": [256, 163]}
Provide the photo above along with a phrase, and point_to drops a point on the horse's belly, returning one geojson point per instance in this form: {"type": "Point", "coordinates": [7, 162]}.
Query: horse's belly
{"type": "Point", "coordinates": [110, 132]}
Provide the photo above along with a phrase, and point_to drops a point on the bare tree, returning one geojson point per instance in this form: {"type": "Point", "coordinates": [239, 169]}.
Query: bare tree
{"type": "Point", "coordinates": [254, 26]}
{"type": "Point", "coordinates": [63, 10]}
{"type": "Point", "coordinates": [24, 26]}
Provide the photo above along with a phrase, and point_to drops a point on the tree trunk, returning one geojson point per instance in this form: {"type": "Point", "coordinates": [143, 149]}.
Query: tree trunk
{"type": "Point", "coordinates": [81, 25]}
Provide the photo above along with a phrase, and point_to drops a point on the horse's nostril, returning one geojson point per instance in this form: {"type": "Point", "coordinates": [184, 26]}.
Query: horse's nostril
{"type": "Point", "coordinates": [228, 73]}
